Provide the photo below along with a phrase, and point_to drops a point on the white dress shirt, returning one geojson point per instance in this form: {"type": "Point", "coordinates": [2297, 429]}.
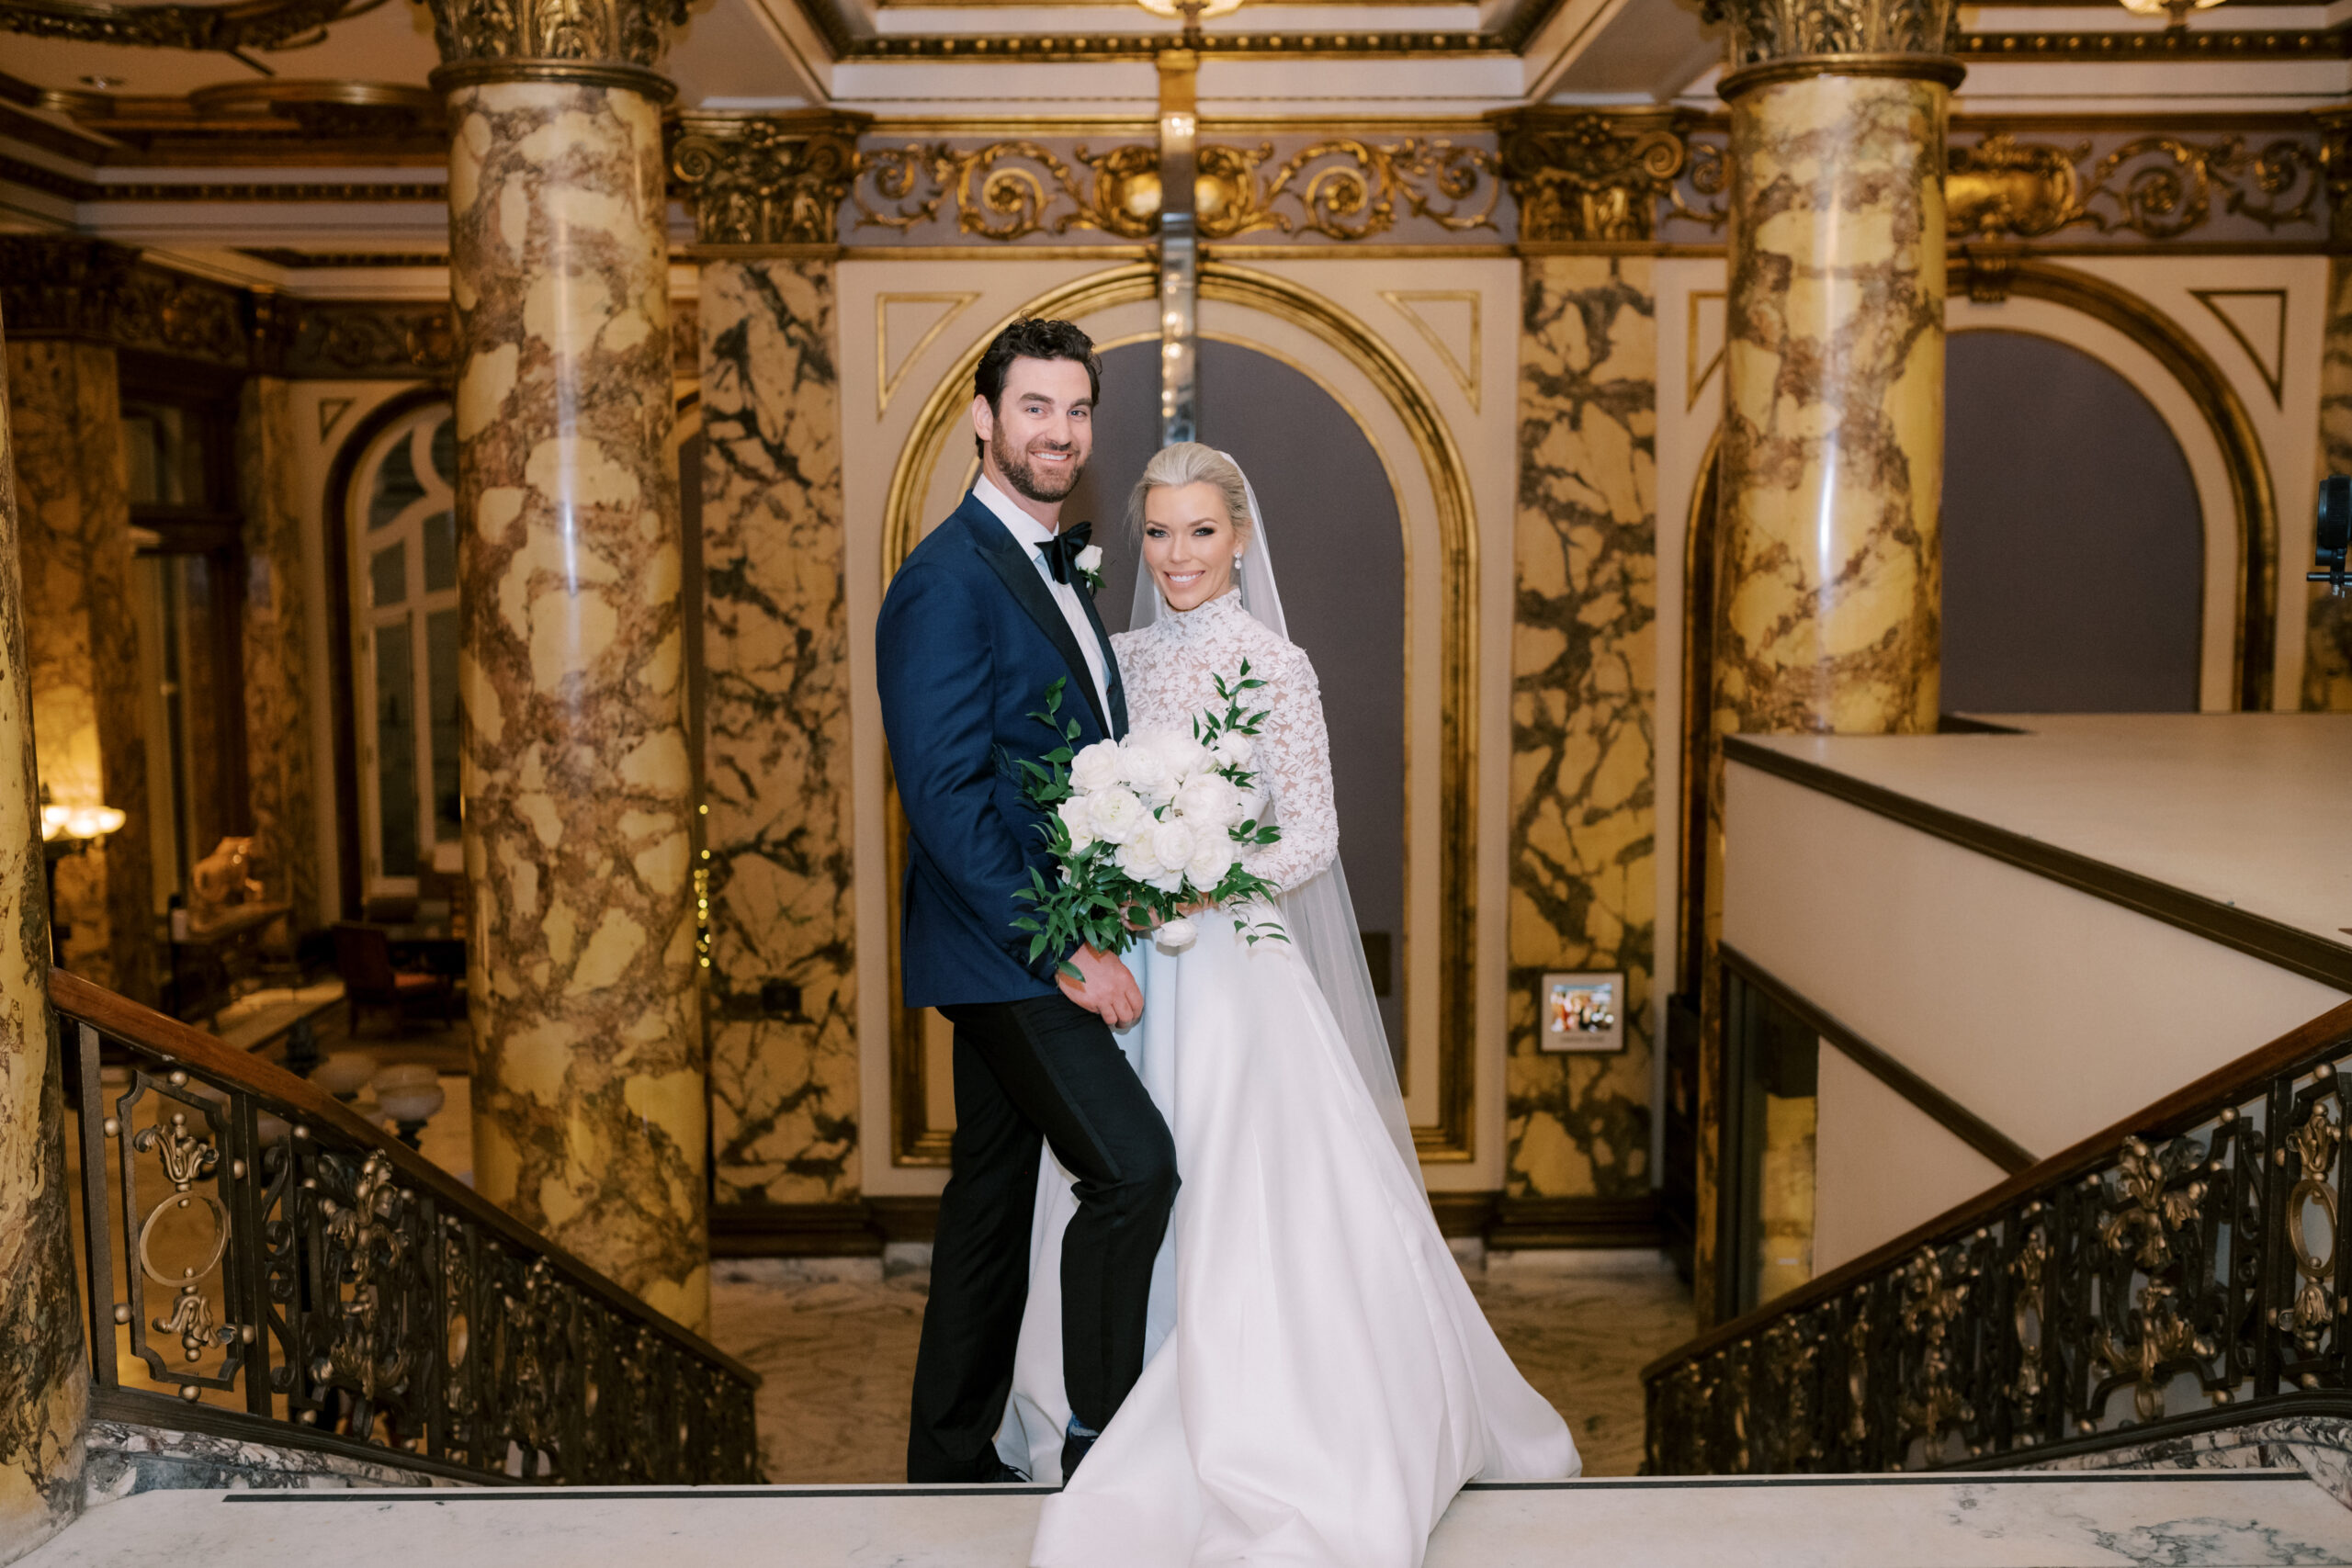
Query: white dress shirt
{"type": "Point", "coordinates": [1031, 535]}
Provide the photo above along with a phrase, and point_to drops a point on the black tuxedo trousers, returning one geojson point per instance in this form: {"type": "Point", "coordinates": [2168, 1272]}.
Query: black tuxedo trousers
{"type": "Point", "coordinates": [1030, 1073]}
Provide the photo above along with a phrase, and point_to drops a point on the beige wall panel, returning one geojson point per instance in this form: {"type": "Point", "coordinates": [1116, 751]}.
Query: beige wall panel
{"type": "Point", "coordinates": [1881, 1165]}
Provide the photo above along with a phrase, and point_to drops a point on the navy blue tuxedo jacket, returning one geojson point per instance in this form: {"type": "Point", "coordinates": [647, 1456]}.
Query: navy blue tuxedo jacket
{"type": "Point", "coordinates": [969, 638]}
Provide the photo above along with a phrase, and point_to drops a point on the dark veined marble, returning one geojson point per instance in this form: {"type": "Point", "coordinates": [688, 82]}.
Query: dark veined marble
{"type": "Point", "coordinates": [1583, 688]}
{"type": "Point", "coordinates": [277, 648]}
{"type": "Point", "coordinates": [781, 986]}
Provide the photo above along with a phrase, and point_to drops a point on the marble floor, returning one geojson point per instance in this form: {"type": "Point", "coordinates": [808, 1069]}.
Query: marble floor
{"type": "Point", "coordinates": [835, 1341]}
{"type": "Point", "coordinates": [2224, 1519]}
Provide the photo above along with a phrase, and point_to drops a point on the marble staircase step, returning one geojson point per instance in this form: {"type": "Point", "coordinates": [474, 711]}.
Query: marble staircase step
{"type": "Point", "coordinates": [2224, 1518]}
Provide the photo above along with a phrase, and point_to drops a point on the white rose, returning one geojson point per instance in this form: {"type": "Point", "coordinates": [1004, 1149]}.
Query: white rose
{"type": "Point", "coordinates": [1234, 749]}
{"type": "Point", "coordinates": [1115, 814]}
{"type": "Point", "coordinates": [1096, 767]}
{"type": "Point", "coordinates": [1137, 860]}
{"type": "Point", "coordinates": [1146, 771]}
{"type": "Point", "coordinates": [1079, 818]}
{"type": "Point", "coordinates": [1173, 842]}
{"type": "Point", "coordinates": [1210, 800]}
{"type": "Point", "coordinates": [1091, 558]}
{"type": "Point", "coordinates": [1183, 755]}
{"type": "Point", "coordinates": [1212, 858]}
{"type": "Point", "coordinates": [1175, 936]}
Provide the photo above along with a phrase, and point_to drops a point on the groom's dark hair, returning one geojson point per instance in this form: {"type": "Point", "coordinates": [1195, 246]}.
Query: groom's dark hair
{"type": "Point", "coordinates": [1033, 337]}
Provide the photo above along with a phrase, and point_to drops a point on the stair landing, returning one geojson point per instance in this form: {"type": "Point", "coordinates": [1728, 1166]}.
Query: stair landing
{"type": "Point", "coordinates": [2230, 1518]}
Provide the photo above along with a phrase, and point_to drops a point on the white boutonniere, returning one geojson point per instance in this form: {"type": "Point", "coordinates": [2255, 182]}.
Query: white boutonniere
{"type": "Point", "coordinates": [1090, 567]}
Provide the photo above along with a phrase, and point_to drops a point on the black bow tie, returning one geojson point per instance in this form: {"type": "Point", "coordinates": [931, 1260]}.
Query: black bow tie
{"type": "Point", "coordinates": [1061, 552]}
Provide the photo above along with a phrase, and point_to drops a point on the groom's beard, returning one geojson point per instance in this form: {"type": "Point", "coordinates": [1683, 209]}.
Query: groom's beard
{"type": "Point", "coordinates": [1023, 476]}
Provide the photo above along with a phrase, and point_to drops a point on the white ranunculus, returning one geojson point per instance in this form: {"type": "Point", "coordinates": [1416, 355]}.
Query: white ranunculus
{"type": "Point", "coordinates": [1209, 800]}
{"type": "Point", "coordinates": [1137, 859]}
{"type": "Point", "coordinates": [1077, 817]}
{"type": "Point", "coordinates": [1175, 936]}
{"type": "Point", "coordinates": [1212, 858]}
{"type": "Point", "coordinates": [1097, 767]}
{"type": "Point", "coordinates": [1173, 842]}
{"type": "Point", "coordinates": [1234, 749]}
{"type": "Point", "coordinates": [1115, 814]}
{"type": "Point", "coordinates": [1091, 558]}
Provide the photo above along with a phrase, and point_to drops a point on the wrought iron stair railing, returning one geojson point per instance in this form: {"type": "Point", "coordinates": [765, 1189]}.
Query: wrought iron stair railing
{"type": "Point", "coordinates": [261, 1262]}
{"type": "Point", "coordinates": [2187, 1270]}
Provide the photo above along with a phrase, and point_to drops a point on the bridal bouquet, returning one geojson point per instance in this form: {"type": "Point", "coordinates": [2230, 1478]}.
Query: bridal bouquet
{"type": "Point", "coordinates": [1146, 828]}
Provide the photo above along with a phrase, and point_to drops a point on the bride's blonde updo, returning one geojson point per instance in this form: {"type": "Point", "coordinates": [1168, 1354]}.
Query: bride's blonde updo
{"type": "Point", "coordinates": [1188, 463]}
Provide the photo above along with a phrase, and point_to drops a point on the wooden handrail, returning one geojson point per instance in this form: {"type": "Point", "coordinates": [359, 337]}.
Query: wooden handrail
{"type": "Point", "coordinates": [84, 1002]}
{"type": "Point", "coordinates": [2175, 1112]}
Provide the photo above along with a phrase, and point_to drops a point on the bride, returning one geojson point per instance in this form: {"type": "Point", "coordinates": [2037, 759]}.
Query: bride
{"type": "Point", "coordinates": [1320, 1382]}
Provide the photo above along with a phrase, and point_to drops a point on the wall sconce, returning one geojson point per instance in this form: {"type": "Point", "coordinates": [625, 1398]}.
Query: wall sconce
{"type": "Point", "coordinates": [69, 830]}
{"type": "Point", "coordinates": [2176, 9]}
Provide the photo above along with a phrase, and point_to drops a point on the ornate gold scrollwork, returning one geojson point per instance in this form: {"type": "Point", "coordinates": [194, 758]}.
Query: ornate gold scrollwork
{"type": "Point", "coordinates": [1594, 176]}
{"type": "Point", "coordinates": [1341, 188]}
{"type": "Point", "coordinates": [2029, 1313]}
{"type": "Point", "coordinates": [774, 180]}
{"type": "Point", "coordinates": [2159, 187]}
{"type": "Point", "coordinates": [265, 25]}
{"type": "Point", "coordinates": [370, 1350]}
{"type": "Point", "coordinates": [624, 32]}
{"type": "Point", "coordinates": [2156, 1203]}
{"type": "Point", "coordinates": [1765, 30]}
{"type": "Point", "coordinates": [1931, 1305]}
{"type": "Point", "coordinates": [186, 1158]}
{"type": "Point", "coordinates": [2313, 1144]}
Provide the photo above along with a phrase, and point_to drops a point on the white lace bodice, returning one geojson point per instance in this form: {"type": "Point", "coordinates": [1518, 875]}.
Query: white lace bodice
{"type": "Point", "coordinates": [1170, 669]}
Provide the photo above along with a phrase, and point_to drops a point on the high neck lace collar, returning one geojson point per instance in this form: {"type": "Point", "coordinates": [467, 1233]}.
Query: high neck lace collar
{"type": "Point", "coordinates": [1201, 619]}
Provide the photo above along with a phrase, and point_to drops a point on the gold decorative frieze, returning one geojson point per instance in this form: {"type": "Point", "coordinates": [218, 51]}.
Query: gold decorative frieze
{"type": "Point", "coordinates": [1341, 188]}
{"type": "Point", "coordinates": [769, 180]}
{"type": "Point", "coordinates": [2158, 187]}
{"type": "Point", "coordinates": [2336, 164]}
{"type": "Point", "coordinates": [1603, 177]}
{"type": "Point", "coordinates": [212, 29]}
{"type": "Point", "coordinates": [1767, 32]}
{"type": "Point", "coordinates": [579, 32]}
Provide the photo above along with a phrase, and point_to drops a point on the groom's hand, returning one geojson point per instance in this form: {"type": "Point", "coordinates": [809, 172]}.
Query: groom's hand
{"type": "Point", "coordinates": [1107, 990]}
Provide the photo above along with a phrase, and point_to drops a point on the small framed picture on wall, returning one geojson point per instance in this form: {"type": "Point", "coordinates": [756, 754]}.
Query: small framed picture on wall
{"type": "Point", "coordinates": [1582, 1012]}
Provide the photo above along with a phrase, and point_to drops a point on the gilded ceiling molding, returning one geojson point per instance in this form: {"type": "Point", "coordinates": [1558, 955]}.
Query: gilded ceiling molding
{"type": "Point", "coordinates": [1776, 40]}
{"type": "Point", "coordinates": [2308, 43]}
{"type": "Point", "coordinates": [1027, 49]}
{"type": "Point", "coordinates": [615, 42]}
{"type": "Point", "coordinates": [1341, 188]}
{"type": "Point", "coordinates": [69, 286]}
{"type": "Point", "coordinates": [2335, 162]}
{"type": "Point", "coordinates": [2158, 187]}
{"type": "Point", "coordinates": [212, 29]}
{"type": "Point", "coordinates": [766, 180]}
{"type": "Point", "coordinates": [1581, 178]}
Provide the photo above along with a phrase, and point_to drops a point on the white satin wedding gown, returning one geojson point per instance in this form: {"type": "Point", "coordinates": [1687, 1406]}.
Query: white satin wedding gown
{"type": "Point", "coordinates": [1320, 1381]}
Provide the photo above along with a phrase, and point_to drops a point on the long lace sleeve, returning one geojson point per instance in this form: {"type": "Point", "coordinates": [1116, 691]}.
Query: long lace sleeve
{"type": "Point", "coordinates": [1295, 758]}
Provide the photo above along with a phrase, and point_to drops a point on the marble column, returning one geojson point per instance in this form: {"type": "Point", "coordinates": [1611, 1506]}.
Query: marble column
{"type": "Point", "coordinates": [42, 1366]}
{"type": "Point", "coordinates": [2327, 643]}
{"type": "Point", "coordinates": [590, 1112]}
{"type": "Point", "coordinates": [1829, 600]}
{"type": "Point", "coordinates": [74, 542]}
{"type": "Point", "coordinates": [1583, 695]}
{"type": "Point", "coordinates": [775, 738]}
{"type": "Point", "coordinates": [277, 650]}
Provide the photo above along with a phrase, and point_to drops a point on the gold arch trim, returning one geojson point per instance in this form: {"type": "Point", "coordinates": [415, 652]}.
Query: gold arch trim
{"type": "Point", "coordinates": [2255, 654]}
{"type": "Point", "coordinates": [1452, 1137]}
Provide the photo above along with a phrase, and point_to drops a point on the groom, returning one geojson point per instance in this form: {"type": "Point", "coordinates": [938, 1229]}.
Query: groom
{"type": "Point", "coordinates": [986, 613]}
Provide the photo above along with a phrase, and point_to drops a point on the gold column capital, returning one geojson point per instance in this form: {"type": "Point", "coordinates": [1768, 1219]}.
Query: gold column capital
{"type": "Point", "coordinates": [768, 180]}
{"type": "Point", "coordinates": [1775, 40]}
{"type": "Point", "coordinates": [1583, 174]}
{"type": "Point", "coordinates": [611, 42]}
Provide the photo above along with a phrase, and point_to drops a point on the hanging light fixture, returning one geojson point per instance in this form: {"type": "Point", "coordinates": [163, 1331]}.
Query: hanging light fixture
{"type": "Point", "coordinates": [2176, 9]}
{"type": "Point", "coordinates": [1192, 13]}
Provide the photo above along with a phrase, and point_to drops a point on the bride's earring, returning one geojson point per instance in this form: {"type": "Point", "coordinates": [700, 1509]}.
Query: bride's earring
{"type": "Point", "coordinates": [1237, 557]}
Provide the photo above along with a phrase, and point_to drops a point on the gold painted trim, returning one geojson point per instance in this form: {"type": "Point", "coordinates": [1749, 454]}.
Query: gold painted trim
{"type": "Point", "coordinates": [1940, 68]}
{"type": "Point", "coordinates": [1696, 372]}
{"type": "Point", "coordinates": [1346, 251]}
{"type": "Point", "coordinates": [2274, 375]}
{"type": "Point", "coordinates": [463, 74]}
{"type": "Point", "coordinates": [886, 385]}
{"type": "Point", "coordinates": [1116, 252]}
{"type": "Point", "coordinates": [2225, 413]}
{"type": "Point", "coordinates": [1452, 1137]}
{"type": "Point", "coordinates": [1402, 299]}
{"type": "Point", "coordinates": [2308, 43]}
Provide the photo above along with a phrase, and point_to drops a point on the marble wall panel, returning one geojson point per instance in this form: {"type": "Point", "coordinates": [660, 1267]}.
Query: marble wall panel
{"type": "Point", "coordinates": [44, 1379]}
{"type": "Point", "coordinates": [74, 545]}
{"type": "Point", "coordinates": [1584, 687]}
{"type": "Point", "coordinates": [781, 989]}
{"type": "Point", "coordinates": [2327, 648]}
{"type": "Point", "coordinates": [276, 664]}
